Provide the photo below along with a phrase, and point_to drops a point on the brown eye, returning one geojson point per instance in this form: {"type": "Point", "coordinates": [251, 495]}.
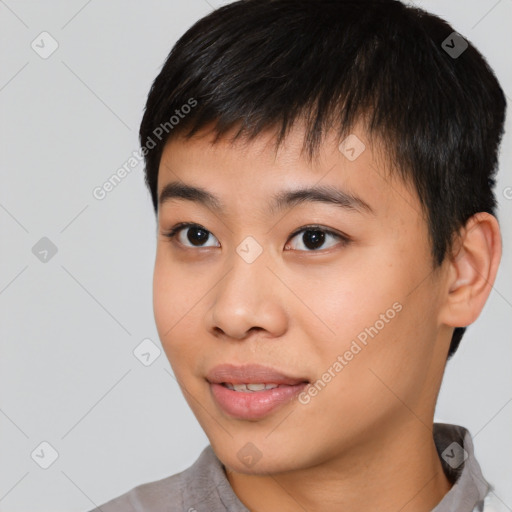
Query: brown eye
{"type": "Point", "coordinates": [196, 236]}
{"type": "Point", "coordinates": [192, 234]}
{"type": "Point", "coordinates": [313, 238]}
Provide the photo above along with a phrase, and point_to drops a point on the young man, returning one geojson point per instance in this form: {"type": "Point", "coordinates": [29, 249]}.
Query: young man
{"type": "Point", "coordinates": [322, 174]}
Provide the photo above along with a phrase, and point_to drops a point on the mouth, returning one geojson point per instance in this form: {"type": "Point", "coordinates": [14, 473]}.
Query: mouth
{"type": "Point", "coordinates": [252, 392]}
{"type": "Point", "coordinates": [254, 387]}
{"type": "Point", "coordinates": [254, 375]}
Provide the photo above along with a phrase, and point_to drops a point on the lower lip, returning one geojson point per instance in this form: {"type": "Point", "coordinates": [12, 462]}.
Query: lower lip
{"type": "Point", "coordinates": [253, 405]}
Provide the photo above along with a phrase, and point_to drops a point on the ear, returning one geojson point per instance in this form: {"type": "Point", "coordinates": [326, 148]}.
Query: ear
{"type": "Point", "coordinates": [473, 266]}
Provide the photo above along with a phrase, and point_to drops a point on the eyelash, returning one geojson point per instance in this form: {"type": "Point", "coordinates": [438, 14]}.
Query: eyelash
{"type": "Point", "coordinates": [345, 240]}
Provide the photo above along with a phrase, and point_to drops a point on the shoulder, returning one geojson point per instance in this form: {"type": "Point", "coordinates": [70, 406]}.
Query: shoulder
{"type": "Point", "coordinates": [167, 494]}
{"type": "Point", "coordinates": [159, 495]}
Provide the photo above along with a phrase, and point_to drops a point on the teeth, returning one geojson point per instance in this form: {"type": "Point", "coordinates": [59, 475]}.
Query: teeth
{"type": "Point", "coordinates": [249, 387]}
{"type": "Point", "coordinates": [258, 387]}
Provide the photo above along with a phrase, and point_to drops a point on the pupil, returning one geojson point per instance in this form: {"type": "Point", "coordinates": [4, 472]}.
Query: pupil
{"type": "Point", "coordinates": [312, 239]}
{"type": "Point", "coordinates": [315, 240]}
{"type": "Point", "coordinates": [202, 236]}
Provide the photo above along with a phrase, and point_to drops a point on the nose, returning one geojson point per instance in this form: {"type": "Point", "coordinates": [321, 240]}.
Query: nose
{"type": "Point", "coordinates": [248, 298]}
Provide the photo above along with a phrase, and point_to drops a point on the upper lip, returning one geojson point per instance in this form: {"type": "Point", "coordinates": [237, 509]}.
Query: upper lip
{"type": "Point", "coordinates": [250, 374]}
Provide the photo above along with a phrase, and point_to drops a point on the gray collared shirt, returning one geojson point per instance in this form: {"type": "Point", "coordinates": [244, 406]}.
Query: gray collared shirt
{"type": "Point", "coordinates": [204, 487]}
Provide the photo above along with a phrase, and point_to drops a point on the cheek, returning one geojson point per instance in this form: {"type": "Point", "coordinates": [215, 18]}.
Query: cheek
{"type": "Point", "coordinates": [347, 300]}
{"type": "Point", "coordinates": [386, 353]}
{"type": "Point", "coordinates": [373, 312]}
{"type": "Point", "coordinates": [164, 290]}
{"type": "Point", "coordinates": [174, 299]}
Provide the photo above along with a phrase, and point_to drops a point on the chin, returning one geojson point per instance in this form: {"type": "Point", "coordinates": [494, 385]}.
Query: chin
{"type": "Point", "coordinates": [255, 458]}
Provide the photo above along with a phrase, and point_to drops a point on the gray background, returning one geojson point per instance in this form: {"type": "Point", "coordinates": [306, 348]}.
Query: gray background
{"type": "Point", "coordinates": [68, 375]}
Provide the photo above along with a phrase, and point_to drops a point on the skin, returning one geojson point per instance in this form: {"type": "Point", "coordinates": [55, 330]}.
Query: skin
{"type": "Point", "coordinates": [365, 440]}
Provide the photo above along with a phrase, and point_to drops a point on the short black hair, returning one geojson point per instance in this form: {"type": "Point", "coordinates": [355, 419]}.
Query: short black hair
{"type": "Point", "coordinates": [422, 89]}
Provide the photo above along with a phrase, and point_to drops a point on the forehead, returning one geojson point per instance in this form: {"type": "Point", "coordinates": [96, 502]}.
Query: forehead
{"type": "Point", "coordinates": [254, 170]}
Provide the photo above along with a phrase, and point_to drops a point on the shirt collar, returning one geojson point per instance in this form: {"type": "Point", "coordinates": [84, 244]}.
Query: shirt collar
{"type": "Point", "coordinates": [453, 443]}
{"type": "Point", "coordinates": [456, 452]}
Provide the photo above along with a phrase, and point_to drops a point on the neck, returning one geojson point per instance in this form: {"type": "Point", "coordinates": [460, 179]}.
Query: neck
{"type": "Point", "coordinates": [400, 470]}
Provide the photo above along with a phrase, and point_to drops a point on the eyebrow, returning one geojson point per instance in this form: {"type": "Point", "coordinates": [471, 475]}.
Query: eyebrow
{"type": "Point", "coordinates": [285, 199]}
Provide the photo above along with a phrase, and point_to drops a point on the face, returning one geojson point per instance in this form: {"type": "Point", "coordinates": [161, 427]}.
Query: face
{"type": "Point", "coordinates": [341, 295]}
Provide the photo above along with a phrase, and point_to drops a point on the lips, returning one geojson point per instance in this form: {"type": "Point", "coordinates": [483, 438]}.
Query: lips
{"type": "Point", "coordinates": [251, 374]}
{"type": "Point", "coordinates": [252, 391]}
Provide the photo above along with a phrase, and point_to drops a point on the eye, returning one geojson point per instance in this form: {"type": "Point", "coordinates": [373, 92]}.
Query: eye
{"type": "Point", "coordinates": [313, 237]}
{"type": "Point", "coordinates": [194, 233]}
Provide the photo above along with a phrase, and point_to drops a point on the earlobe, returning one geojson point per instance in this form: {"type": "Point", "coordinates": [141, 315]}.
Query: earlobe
{"type": "Point", "coordinates": [473, 268]}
